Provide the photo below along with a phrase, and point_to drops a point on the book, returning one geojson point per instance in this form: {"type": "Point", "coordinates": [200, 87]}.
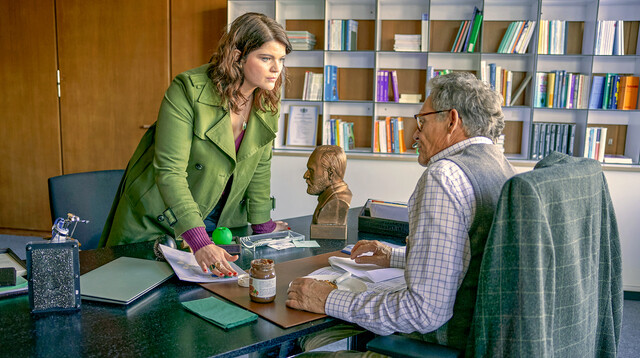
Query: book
{"type": "Point", "coordinates": [602, 143]}
{"type": "Point", "coordinates": [475, 30]}
{"type": "Point", "coordinates": [507, 37]}
{"type": "Point", "coordinates": [382, 132]}
{"type": "Point", "coordinates": [376, 137]}
{"type": "Point", "coordinates": [628, 93]}
{"type": "Point", "coordinates": [617, 159]}
{"type": "Point", "coordinates": [461, 30]}
{"type": "Point", "coordinates": [401, 143]}
{"type": "Point", "coordinates": [540, 99]}
{"type": "Point", "coordinates": [595, 96]}
{"type": "Point", "coordinates": [394, 85]}
{"type": "Point", "coordinates": [389, 134]}
{"type": "Point", "coordinates": [572, 136]}
{"type": "Point", "coordinates": [613, 92]}
{"type": "Point", "coordinates": [352, 35]}
{"type": "Point", "coordinates": [492, 75]}
{"type": "Point", "coordinates": [524, 44]}
{"type": "Point", "coordinates": [508, 89]}
{"type": "Point", "coordinates": [551, 84]}
{"type": "Point", "coordinates": [424, 37]}
{"type": "Point", "coordinates": [534, 143]}
{"type": "Point", "coordinates": [606, 92]}
{"type": "Point", "coordinates": [522, 25]}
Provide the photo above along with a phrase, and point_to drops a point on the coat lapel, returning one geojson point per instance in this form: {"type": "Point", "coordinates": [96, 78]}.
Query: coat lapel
{"type": "Point", "coordinates": [257, 135]}
{"type": "Point", "coordinates": [219, 132]}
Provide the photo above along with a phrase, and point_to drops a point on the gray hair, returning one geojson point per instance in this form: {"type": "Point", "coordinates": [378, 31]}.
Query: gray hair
{"type": "Point", "coordinates": [479, 107]}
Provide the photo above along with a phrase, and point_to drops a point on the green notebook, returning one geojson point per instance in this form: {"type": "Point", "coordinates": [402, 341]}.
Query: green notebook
{"type": "Point", "coordinates": [123, 280]}
{"type": "Point", "coordinates": [220, 313]}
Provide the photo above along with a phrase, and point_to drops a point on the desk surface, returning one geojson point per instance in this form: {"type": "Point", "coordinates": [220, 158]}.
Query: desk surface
{"type": "Point", "coordinates": [156, 324]}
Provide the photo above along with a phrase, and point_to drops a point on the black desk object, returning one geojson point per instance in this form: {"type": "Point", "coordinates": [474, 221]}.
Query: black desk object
{"type": "Point", "coordinates": [156, 324]}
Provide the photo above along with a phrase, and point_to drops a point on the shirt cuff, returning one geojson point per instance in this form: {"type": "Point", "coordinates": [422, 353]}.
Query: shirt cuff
{"type": "Point", "coordinates": [398, 259]}
{"type": "Point", "coordinates": [197, 238]}
{"type": "Point", "coordinates": [264, 228]}
{"type": "Point", "coordinates": [338, 303]}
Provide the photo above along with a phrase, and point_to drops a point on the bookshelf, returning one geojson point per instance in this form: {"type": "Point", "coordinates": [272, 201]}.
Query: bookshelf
{"type": "Point", "coordinates": [378, 22]}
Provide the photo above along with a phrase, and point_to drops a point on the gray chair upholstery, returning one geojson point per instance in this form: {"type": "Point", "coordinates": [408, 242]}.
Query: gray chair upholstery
{"type": "Point", "coordinates": [88, 195]}
{"type": "Point", "coordinates": [551, 278]}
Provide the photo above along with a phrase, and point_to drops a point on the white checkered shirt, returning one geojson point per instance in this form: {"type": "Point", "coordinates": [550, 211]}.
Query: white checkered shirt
{"type": "Point", "coordinates": [437, 256]}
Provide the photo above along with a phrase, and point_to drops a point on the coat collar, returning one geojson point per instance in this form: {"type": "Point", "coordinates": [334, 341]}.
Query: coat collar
{"type": "Point", "coordinates": [259, 131]}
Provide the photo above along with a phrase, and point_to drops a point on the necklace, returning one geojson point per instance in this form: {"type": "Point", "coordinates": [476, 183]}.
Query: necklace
{"type": "Point", "coordinates": [245, 117]}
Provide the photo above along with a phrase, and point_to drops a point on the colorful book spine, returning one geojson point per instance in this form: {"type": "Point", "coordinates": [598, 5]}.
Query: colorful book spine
{"type": "Point", "coordinates": [540, 98]}
{"type": "Point", "coordinates": [401, 144]}
{"type": "Point", "coordinates": [424, 38]}
{"type": "Point", "coordinates": [394, 85]}
{"type": "Point", "coordinates": [475, 30]}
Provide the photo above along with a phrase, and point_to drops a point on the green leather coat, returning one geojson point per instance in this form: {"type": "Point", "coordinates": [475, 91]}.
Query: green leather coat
{"type": "Point", "coordinates": [182, 165]}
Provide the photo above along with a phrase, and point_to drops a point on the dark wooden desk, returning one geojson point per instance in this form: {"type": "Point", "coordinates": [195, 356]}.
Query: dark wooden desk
{"type": "Point", "coordinates": [156, 324]}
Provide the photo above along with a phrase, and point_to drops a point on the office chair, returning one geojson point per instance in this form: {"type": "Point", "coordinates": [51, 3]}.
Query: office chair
{"type": "Point", "coordinates": [88, 195]}
{"type": "Point", "coordinates": [551, 279]}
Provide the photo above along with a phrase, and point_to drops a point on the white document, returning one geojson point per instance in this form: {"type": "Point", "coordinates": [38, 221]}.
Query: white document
{"type": "Point", "coordinates": [392, 285]}
{"type": "Point", "coordinates": [303, 122]}
{"type": "Point", "coordinates": [186, 267]}
{"type": "Point", "coordinates": [372, 272]}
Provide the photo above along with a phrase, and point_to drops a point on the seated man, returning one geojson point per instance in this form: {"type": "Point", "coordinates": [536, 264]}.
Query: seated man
{"type": "Point", "coordinates": [450, 214]}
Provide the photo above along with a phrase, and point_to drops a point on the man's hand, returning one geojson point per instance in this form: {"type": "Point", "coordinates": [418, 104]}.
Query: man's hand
{"type": "Point", "coordinates": [216, 259]}
{"type": "Point", "coordinates": [308, 294]}
{"type": "Point", "coordinates": [381, 253]}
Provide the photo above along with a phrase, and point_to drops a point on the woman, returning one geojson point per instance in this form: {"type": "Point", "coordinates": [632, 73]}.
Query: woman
{"type": "Point", "coordinates": [207, 159]}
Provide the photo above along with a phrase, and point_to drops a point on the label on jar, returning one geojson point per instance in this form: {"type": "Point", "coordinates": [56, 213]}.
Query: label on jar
{"type": "Point", "coordinates": [262, 288]}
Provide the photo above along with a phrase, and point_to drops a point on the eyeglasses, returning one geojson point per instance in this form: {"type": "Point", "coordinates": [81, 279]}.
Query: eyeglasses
{"type": "Point", "coordinates": [420, 115]}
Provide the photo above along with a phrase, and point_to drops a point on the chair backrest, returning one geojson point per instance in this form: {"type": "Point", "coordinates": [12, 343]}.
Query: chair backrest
{"type": "Point", "coordinates": [88, 195]}
{"type": "Point", "coordinates": [550, 282]}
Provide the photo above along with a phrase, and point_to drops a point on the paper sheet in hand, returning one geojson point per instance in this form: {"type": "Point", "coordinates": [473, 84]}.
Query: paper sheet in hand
{"type": "Point", "coordinates": [186, 267]}
{"type": "Point", "coordinates": [372, 272]}
{"type": "Point", "coordinates": [123, 280]}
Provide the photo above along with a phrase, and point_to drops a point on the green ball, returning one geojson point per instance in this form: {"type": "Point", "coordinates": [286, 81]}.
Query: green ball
{"type": "Point", "coordinates": [222, 236]}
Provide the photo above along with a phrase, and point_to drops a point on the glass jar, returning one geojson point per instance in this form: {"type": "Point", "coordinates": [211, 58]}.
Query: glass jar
{"type": "Point", "coordinates": [262, 281]}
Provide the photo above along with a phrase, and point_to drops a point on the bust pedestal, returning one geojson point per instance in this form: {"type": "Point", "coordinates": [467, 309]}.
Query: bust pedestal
{"type": "Point", "coordinates": [328, 231]}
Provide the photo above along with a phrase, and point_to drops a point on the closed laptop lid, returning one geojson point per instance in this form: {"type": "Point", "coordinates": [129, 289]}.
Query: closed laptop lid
{"type": "Point", "coordinates": [123, 280]}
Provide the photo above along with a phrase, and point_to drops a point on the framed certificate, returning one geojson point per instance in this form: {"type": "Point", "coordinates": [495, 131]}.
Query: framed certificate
{"type": "Point", "coordinates": [303, 124]}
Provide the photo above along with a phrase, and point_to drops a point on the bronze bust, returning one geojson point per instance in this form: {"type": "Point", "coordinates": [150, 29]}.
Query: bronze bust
{"type": "Point", "coordinates": [325, 177]}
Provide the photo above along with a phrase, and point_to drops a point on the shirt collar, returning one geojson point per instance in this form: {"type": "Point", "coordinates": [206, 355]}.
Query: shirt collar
{"type": "Point", "coordinates": [459, 147]}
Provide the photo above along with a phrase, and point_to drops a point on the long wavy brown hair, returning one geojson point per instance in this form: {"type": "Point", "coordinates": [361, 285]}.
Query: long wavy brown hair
{"type": "Point", "coordinates": [246, 34]}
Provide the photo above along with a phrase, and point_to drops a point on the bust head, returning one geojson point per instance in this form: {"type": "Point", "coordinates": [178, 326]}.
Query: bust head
{"type": "Point", "coordinates": [326, 166]}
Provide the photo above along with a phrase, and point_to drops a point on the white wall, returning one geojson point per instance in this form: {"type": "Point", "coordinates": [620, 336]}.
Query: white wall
{"type": "Point", "coordinates": [395, 179]}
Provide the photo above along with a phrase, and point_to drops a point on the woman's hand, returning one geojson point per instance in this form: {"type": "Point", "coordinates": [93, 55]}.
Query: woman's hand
{"type": "Point", "coordinates": [215, 258]}
{"type": "Point", "coordinates": [381, 253]}
{"type": "Point", "coordinates": [281, 226]}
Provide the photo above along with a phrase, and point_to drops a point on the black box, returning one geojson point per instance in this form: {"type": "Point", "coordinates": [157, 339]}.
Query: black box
{"type": "Point", "coordinates": [380, 226]}
{"type": "Point", "coordinates": [53, 273]}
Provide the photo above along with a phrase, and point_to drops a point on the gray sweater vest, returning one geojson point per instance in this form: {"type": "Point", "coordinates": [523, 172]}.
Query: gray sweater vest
{"type": "Point", "coordinates": [488, 170]}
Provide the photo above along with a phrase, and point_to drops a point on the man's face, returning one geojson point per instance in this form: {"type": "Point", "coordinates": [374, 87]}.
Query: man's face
{"type": "Point", "coordinates": [316, 177]}
{"type": "Point", "coordinates": [433, 138]}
